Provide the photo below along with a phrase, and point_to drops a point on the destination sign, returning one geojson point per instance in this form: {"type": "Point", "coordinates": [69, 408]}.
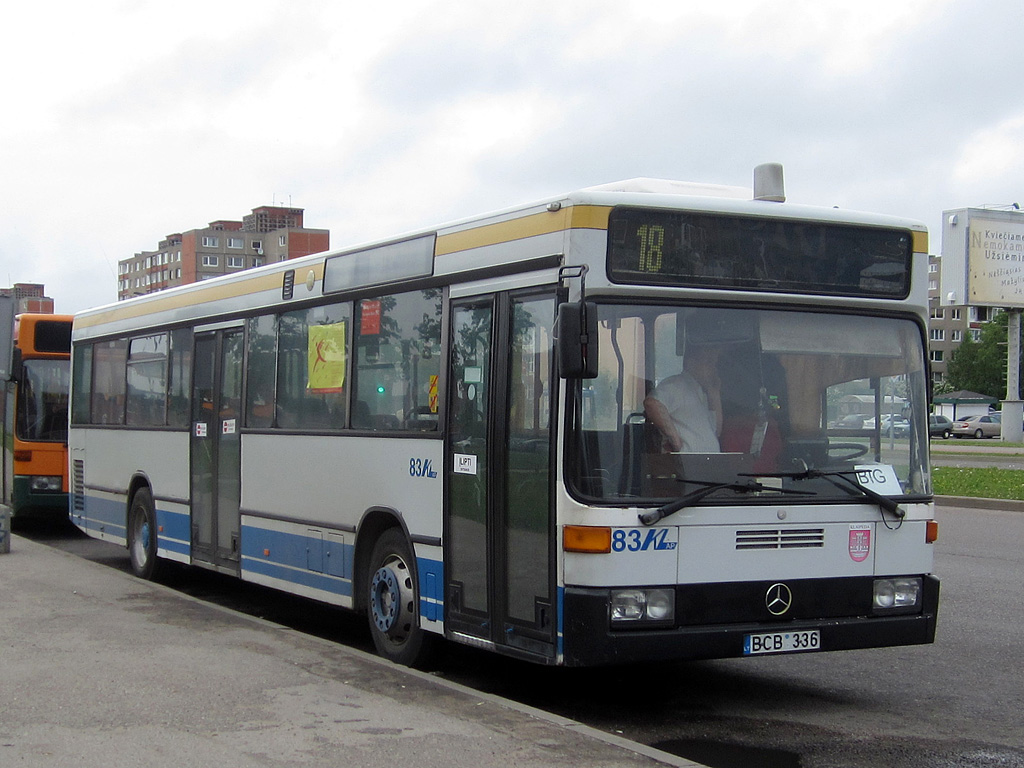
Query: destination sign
{"type": "Point", "coordinates": [702, 250]}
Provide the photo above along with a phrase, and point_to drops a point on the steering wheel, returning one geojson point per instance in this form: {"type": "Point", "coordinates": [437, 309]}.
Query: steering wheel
{"type": "Point", "coordinates": [855, 450]}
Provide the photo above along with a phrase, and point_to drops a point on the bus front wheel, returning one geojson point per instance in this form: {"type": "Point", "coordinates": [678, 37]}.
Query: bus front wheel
{"type": "Point", "coordinates": [142, 535]}
{"type": "Point", "coordinates": [392, 604]}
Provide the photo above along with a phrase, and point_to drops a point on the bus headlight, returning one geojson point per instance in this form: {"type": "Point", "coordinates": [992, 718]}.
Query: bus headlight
{"type": "Point", "coordinates": [896, 594]}
{"type": "Point", "coordinates": [642, 605]}
{"type": "Point", "coordinates": [46, 482]}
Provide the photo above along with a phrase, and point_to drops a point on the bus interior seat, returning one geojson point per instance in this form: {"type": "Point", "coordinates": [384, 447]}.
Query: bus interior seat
{"type": "Point", "coordinates": [421, 418]}
{"type": "Point", "coordinates": [384, 422]}
{"type": "Point", "coordinates": [361, 415]}
{"type": "Point", "coordinates": [640, 440]}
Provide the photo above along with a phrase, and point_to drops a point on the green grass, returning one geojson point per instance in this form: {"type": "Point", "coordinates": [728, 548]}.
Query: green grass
{"type": "Point", "coordinates": [979, 482]}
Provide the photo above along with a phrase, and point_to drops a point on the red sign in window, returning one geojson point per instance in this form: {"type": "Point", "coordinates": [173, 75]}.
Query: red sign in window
{"type": "Point", "coordinates": [369, 318]}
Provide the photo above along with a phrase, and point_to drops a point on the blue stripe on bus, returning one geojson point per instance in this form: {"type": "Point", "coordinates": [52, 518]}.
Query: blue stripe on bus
{"type": "Point", "coordinates": [431, 574]}
{"type": "Point", "coordinates": [173, 525]}
{"type": "Point", "coordinates": [298, 551]}
{"type": "Point", "coordinates": [319, 581]}
{"type": "Point", "coordinates": [310, 561]}
{"type": "Point", "coordinates": [313, 561]}
{"type": "Point", "coordinates": [174, 532]}
{"type": "Point", "coordinates": [106, 516]}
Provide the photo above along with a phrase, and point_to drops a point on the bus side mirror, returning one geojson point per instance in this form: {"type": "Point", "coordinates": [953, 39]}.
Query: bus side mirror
{"type": "Point", "coordinates": [576, 334]}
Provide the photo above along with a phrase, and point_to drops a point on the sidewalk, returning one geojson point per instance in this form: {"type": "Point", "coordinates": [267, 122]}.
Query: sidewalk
{"type": "Point", "coordinates": [980, 447]}
{"type": "Point", "coordinates": [99, 669]}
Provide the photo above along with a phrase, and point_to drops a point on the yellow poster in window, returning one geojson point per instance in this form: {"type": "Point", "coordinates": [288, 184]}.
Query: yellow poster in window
{"type": "Point", "coordinates": [326, 357]}
{"type": "Point", "coordinates": [433, 394]}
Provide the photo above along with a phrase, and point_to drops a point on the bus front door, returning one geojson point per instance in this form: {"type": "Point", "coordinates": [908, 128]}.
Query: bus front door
{"type": "Point", "coordinates": [499, 526]}
{"type": "Point", "coordinates": [216, 448]}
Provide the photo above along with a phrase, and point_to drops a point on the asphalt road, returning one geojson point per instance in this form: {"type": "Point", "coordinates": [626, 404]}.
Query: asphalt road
{"type": "Point", "coordinates": [958, 702]}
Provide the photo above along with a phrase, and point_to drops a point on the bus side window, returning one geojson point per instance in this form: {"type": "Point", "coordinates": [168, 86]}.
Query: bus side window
{"type": "Point", "coordinates": [147, 381]}
{"type": "Point", "coordinates": [81, 403]}
{"type": "Point", "coordinates": [109, 363]}
{"type": "Point", "coordinates": [397, 344]}
{"type": "Point", "coordinates": [180, 376]}
{"type": "Point", "coordinates": [312, 367]}
{"type": "Point", "coordinates": [261, 377]}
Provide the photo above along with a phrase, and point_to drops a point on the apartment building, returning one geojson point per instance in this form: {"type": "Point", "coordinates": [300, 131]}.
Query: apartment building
{"type": "Point", "coordinates": [268, 234]}
{"type": "Point", "coordinates": [948, 326]}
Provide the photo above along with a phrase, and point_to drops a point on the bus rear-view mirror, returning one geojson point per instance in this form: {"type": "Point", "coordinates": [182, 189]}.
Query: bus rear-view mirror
{"type": "Point", "coordinates": [576, 331]}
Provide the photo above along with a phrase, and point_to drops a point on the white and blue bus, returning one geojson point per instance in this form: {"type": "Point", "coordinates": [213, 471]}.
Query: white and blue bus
{"type": "Point", "coordinates": [452, 431]}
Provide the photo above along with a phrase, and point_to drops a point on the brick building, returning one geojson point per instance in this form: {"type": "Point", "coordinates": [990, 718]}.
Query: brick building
{"type": "Point", "coordinates": [267, 235]}
{"type": "Point", "coordinates": [29, 297]}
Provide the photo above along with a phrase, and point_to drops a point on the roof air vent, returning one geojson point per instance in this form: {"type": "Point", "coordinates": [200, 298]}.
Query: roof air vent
{"type": "Point", "coordinates": [768, 184]}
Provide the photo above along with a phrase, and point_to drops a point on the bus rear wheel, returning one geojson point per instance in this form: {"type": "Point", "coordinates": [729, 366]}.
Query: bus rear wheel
{"type": "Point", "coordinates": [142, 535]}
{"type": "Point", "coordinates": [392, 602]}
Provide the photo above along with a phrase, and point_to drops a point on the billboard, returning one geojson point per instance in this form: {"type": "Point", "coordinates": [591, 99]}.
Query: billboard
{"type": "Point", "coordinates": [983, 258]}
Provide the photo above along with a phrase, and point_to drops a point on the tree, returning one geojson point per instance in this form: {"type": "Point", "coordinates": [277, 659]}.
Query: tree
{"type": "Point", "coordinates": [980, 366]}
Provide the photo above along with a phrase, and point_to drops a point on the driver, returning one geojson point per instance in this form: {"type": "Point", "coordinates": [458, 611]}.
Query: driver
{"type": "Point", "coordinates": [687, 407]}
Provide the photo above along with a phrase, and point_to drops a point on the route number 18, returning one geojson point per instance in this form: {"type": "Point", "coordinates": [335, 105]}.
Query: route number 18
{"type": "Point", "coordinates": [652, 243]}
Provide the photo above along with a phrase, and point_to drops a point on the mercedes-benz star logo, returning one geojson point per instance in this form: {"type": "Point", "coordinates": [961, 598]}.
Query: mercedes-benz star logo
{"type": "Point", "coordinates": [778, 599]}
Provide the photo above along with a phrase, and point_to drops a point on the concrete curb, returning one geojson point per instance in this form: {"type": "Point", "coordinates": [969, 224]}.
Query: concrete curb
{"type": "Point", "coordinates": [1006, 505]}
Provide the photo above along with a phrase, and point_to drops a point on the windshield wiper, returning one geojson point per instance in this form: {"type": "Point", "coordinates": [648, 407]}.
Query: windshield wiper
{"type": "Point", "coordinates": [688, 499]}
{"type": "Point", "coordinates": [848, 486]}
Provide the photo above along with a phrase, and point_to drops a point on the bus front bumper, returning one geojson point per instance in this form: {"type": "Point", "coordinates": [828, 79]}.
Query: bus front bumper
{"type": "Point", "coordinates": [589, 640]}
{"type": "Point", "coordinates": [26, 502]}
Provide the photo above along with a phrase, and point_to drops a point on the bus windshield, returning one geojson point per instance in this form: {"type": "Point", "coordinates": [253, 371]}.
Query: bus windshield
{"type": "Point", "coordinates": [692, 396]}
{"type": "Point", "coordinates": [43, 401]}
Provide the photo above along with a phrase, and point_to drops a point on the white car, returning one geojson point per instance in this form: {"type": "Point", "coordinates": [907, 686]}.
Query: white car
{"type": "Point", "coordinates": [899, 425]}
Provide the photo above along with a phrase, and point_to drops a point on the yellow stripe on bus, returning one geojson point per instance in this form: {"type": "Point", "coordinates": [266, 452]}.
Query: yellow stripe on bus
{"type": "Point", "coordinates": [211, 292]}
{"type": "Point", "coordinates": [570, 217]}
{"type": "Point", "coordinates": [573, 217]}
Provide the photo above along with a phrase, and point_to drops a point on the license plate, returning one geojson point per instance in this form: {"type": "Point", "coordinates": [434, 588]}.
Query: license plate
{"type": "Point", "coordinates": [782, 642]}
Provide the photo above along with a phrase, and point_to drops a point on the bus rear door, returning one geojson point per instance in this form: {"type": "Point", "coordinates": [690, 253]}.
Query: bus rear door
{"type": "Point", "coordinates": [216, 448]}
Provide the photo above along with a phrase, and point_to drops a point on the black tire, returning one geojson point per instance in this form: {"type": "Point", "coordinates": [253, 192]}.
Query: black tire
{"type": "Point", "coordinates": [979, 434]}
{"type": "Point", "coordinates": [393, 602]}
{"type": "Point", "coordinates": [142, 536]}
{"type": "Point", "coordinates": [946, 435]}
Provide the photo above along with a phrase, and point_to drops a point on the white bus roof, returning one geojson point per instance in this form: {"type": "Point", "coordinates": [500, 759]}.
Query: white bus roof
{"type": "Point", "coordinates": [519, 233]}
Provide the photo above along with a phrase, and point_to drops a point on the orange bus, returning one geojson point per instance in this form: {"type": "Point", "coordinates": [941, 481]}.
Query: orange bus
{"type": "Point", "coordinates": [41, 374]}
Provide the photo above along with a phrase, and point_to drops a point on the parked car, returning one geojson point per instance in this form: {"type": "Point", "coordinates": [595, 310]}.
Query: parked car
{"type": "Point", "coordinates": [978, 426]}
{"type": "Point", "coordinates": [850, 421]}
{"type": "Point", "coordinates": [898, 425]}
{"type": "Point", "coordinates": [939, 426]}
{"type": "Point", "coordinates": [901, 427]}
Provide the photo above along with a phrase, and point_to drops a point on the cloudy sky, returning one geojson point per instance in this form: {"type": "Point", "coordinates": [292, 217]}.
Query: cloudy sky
{"type": "Point", "coordinates": [127, 120]}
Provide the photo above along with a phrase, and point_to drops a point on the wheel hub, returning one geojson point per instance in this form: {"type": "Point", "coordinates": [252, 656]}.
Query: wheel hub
{"type": "Point", "coordinates": [385, 599]}
{"type": "Point", "coordinates": [141, 542]}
